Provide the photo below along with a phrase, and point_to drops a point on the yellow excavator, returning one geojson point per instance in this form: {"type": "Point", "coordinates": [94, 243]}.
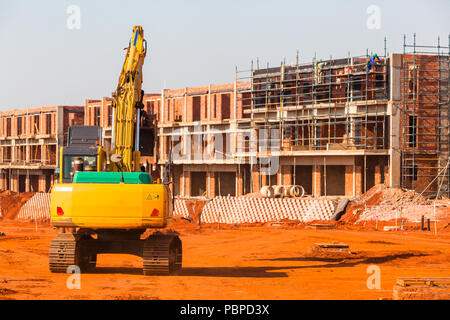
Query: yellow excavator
{"type": "Point", "coordinates": [109, 208]}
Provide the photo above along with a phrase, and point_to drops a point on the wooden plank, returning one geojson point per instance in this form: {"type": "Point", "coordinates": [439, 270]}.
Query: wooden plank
{"type": "Point", "coordinates": [405, 282]}
{"type": "Point", "coordinates": [332, 245]}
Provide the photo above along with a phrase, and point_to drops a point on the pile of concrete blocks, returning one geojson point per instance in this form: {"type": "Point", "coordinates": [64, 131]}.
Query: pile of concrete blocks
{"type": "Point", "coordinates": [230, 210]}
{"type": "Point", "coordinates": [180, 209]}
{"type": "Point", "coordinates": [37, 208]}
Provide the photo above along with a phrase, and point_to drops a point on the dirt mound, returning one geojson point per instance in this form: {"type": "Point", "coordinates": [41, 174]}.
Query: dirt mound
{"type": "Point", "coordinates": [194, 208]}
{"type": "Point", "coordinates": [382, 195]}
{"type": "Point", "coordinates": [10, 203]}
{"type": "Point", "coordinates": [401, 197]}
{"type": "Point", "coordinates": [354, 209]}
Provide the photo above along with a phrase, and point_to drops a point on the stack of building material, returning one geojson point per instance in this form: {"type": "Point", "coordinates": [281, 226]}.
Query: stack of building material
{"type": "Point", "coordinates": [411, 213]}
{"type": "Point", "coordinates": [180, 208]}
{"type": "Point", "coordinates": [253, 210]}
{"type": "Point", "coordinates": [37, 208]}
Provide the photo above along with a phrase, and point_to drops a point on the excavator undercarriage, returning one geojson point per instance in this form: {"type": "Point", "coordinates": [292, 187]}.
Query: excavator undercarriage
{"type": "Point", "coordinates": [161, 252]}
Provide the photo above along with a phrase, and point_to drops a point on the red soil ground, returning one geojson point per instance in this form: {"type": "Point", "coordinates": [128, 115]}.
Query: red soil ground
{"type": "Point", "coordinates": [243, 262]}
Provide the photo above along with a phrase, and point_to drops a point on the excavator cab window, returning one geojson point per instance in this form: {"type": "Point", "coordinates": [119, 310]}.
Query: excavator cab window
{"type": "Point", "coordinates": [86, 163]}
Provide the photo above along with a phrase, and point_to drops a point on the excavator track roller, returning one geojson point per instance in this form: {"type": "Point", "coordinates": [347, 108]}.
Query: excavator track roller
{"type": "Point", "coordinates": [162, 255]}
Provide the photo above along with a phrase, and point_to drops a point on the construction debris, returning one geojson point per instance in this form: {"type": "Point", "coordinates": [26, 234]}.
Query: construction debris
{"type": "Point", "coordinates": [333, 249]}
{"type": "Point", "coordinates": [422, 289]}
{"type": "Point", "coordinates": [383, 204]}
{"type": "Point", "coordinates": [320, 226]}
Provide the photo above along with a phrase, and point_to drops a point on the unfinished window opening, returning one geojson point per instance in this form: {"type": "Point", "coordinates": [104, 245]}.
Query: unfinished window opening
{"type": "Point", "coordinates": [245, 169]}
{"type": "Point", "coordinates": [272, 179]}
{"type": "Point", "coordinates": [48, 182]}
{"type": "Point", "coordinates": [198, 184]}
{"type": "Point", "coordinates": [97, 115]}
{"type": "Point", "coordinates": [36, 153]}
{"type": "Point", "coordinates": [196, 109]}
{"type": "Point", "coordinates": [48, 122]}
{"type": "Point", "coordinates": [52, 154]}
{"type": "Point", "coordinates": [303, 177]}
{"type": "Point", "coordinates": [225, 106]}
{"type": "Point", "coordinates": [8, 127]}
{"type": "Point", "coordinates": [357, 90]}
{"type": "Point", "coordinates": [317, 136]}
{"type": "Point", "coordinates": [7, 154]}
{"type": "Point", "coordinates": [36, 124]}
{"type": "Point", "coordinates": [412, 82]}
{"type": "Point", "coordinates": [34, 183]}
{"type": "Point", "coordinates": [110, 114]}
{"type": "Point", "coordinates": [414, 171]}
{"type": "Point", "coordinates": [412, 131]}
{"type": "Point", "coordinates": [22, 179]}
{"type": "Point", "coordinates": [146, 142]}
{"type": "Point", "coordinates": [358, 130]}
{"type": "Point", "coordinates": [335, 180]}
{"type": "Point", "coordinates": [225, 183]}
{"type": "Point", "coordinates": [19, 126]}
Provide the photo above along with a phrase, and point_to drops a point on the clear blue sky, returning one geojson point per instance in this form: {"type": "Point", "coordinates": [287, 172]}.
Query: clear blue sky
{"type": "Point", "coordinates": [192, 43]}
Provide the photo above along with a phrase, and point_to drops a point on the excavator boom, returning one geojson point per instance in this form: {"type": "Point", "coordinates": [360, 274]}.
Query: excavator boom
{"type": "Point", "coordinates": [128, 103]}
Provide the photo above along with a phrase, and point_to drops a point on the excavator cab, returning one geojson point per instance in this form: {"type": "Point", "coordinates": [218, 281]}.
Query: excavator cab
{"type": "Point", "coordinates": [82, 153]}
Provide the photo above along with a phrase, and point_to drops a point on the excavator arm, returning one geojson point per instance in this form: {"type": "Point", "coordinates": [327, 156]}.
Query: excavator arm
{"type": "Point", "coordinates": [127, 104]}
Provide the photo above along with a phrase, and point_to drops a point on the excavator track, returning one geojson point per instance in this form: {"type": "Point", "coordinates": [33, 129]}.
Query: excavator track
{"type": "Point", "coordinates": [162, 255]}
{"type": "Point", "coordinates": [64, 252]}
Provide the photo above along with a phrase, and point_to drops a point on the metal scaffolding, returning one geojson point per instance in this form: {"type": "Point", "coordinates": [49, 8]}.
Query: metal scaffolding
{"type": "Point", "coordinates": [425, 146]}
{"type": "Point", "coordinates": [336, 103]}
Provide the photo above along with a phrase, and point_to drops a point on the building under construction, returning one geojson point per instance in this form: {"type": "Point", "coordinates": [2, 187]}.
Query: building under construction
{"type": "Point", "coordinates": [29, 145]}
{"type": "Point", "coordinates": [336, 127]}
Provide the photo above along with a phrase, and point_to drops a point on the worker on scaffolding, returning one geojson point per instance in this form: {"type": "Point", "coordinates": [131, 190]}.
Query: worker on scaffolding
{"type": "Point", "coordinates": [371, 62]}
{"type": "Point", "coordinates": [318, 70]}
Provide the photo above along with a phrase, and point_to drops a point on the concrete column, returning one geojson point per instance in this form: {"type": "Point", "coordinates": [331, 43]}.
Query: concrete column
{"type": "Point", "coordinates": [13, 151]}
{"type": "Point", "coordinates": [27, 182]}
{"type": "Point", "coordinates": [44, 154]}
{"type": "Point", "coordinates": [27, 153]}
{"type": "Point", "coordinates": [240, 182]}
{"type": "Point", "coordinates": [317, 180]}
{"type": "Point", "coordinates": [15, 181]}
{"type": "Point", "coordinates": [264, 179]}
{"type": "Point", "coordinates": [203, 108]}
{"type": "Point", "coordinates": [256, 186]}
{"type": "Point", "coordinates": [42, 179]}
{"type": "Point", "coordinates": [190, 107]}
{"type": "Point", "coordinates": [349, 187]}
{"type": "Point", "coordinates": [187, 183]}
{"type": "Point", "coordinates": [209, 103]}
{"type": "Point", "coordinates": [211, 184]}
{"type": "Point", "coordinates": [218, 106]}
{"type": "Point", "coordinates": [43, 123]}
{"type": "Point", "coordinates": [358, 179]}
{"type": "Point", "coordinates": [386, 176]}
{"type": "Point", "coordinates": [286, 175]}
{"type": "Point", "coordinates": [378, 174]}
